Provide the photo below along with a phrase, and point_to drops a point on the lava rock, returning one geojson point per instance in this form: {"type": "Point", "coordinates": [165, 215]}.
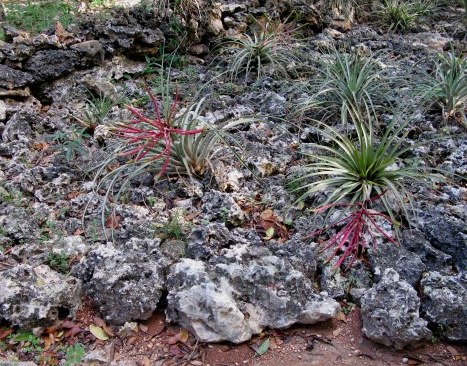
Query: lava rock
{"type": "Point", "coordinates": [241, 292]}
{"type": "Point", "coordinates": [12, 79]}
{"type": "Point", "coordinates": [125, 282]}
{"type": "Point", "coordinates": [51, 64]}
{"type": "Point", "coordinates": [443, 304]}
{"type": "Point", "coordinates": [37, 296]}
{"type": "Point", "coordinates": [390, 313]}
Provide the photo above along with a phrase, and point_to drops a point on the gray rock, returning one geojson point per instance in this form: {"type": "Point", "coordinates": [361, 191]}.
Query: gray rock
{"type": "Point", "coordinates": [13, 79]}
{"type": "Point", "coordinates": [91, 52]}
{"type": "Point", "coordinates": [387, 255]}
{"type": "Point", "coordinates": [124, 281]}
{"type": "Point", "coordinates": [332, 281]}
{"type": "Point", "coordinates": [222, 207]}
{"type": "Point", "coordinates": [446, 233]}
{"type": "Point", "coordinates": [99, 356]}
{"type": "Point", "coordinates": [16, 363]}
{"type": "Point", "coordinates": [390, 313]}
{"type": "Point", "coordinates": [19, 126]}
{"type": "Point", "coordinates": [444, 304]}
{"type": "Point", "coordinates": [51, 64]}
{"type": "Point", "coordinates": [241, 292]}
{"type": "Point", "coordinates": [206, 241]}
{"type": "Point", "coordinates": [3, 110]}
{"type": "Point", "coordinates": [434, 259]}
{"type": "Point", "coordinates": [37, 296]}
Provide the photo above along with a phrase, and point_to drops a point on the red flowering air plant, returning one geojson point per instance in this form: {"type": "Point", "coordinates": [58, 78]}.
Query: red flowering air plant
{"type": "Point", "coordinates": [358, 225]}
{"type": "Point", "coordinates": [151, 139]}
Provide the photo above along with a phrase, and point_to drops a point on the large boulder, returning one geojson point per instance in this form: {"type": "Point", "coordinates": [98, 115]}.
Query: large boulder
{"type": "Point", "coordinates": [37, 296]}
{"type": "Point", "coordinates": [125, 281]}
{"type": "Point", "coordinates": [444, 304]}
{"type": "Point", "coordinates": [240, 292]}
{"type": "Point", "coordinates": [390, 313]}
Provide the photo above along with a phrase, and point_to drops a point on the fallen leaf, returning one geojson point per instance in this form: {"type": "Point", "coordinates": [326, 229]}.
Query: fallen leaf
{"type": "Point", "coordinates": [40, 146]}
{"type": "Point", "coordinates": [183, 335]}
{"type": "Point", "coordinates": [5, 333]}
{"type": "Point", "coordinates": [73, 331]}
{"type": "Point", "coordinates": [263, 348]}
{"type": "Point", "coordinates": [68, 324]}
{"type": "Point", "coordinates": [336, 332]}
{"type": "Point", "coordinates": [269, 233]}
{"type": "Point", "coordinates": [101, 323]}
{"type": "Point", "coordinates": [267, 214]}
{"type": "Point", "coordinates": [72, 195]}
{"type": "Point", "coordinates": [341, 316]}
{"type": "Point", "coordinates": [98, 332]}
{"type": "Point", "coordinates": [113, 221]}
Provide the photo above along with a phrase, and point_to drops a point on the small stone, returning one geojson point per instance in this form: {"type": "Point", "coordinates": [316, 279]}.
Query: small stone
{"type": "Point", "coordinates": [405, 360]}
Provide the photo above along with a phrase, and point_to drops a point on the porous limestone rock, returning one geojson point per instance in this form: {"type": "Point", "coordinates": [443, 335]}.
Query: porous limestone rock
{"type": "Point", "coordinates": [444, 304]}
{"type": "Point", "coordinates": [125, 281]}
{"type": "Point", "coordinates": [241, 292]}
{"type": "Point", "coordinates": [390, 313]}
{"type": "Point", "coordinates": [37, 296]}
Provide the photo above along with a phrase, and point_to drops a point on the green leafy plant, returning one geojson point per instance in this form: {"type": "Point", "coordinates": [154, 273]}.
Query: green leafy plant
{"type": "Point", "coordinates": [404, 15]}
{"type": "Point", "coordinates": [71, 143]}
{"type": "Point", "coordinates": [97, 109]}
{"type": "Point", "coordinates": [365, 179]}
{"type": "Point", "coordinates": [173, 229]}
{"type": "Point", "coordinates": [271, 44]}
{"type": "Point", "coordinates": [173, 142]}
{"type": "Point", "coordinates": [35, 16]}
{"type": "Point", "coordinates": [447, 86]}
{"type": "Point", "coordinates": [359, 169]}
{"type": "Point", "coordinates": [74, 354]}
{"type": "Point", "coordinates": [58, 262]}
{"type": "Point", "coordinates": [348, 85]}
{"type": "Point", "coordinates": [27, 342]}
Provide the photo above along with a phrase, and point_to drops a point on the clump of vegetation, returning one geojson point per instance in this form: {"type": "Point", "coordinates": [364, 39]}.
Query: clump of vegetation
{"type": "Point", "coordinates": [35, 16]}
{"type": "Point", "coordinates": [404, 15]}
{"type": "Point", "coordinates": [71, 143]}
{"type": "Point", "coordinates": [348, 85]}
{"type": "Point", "coordinates": [447, 86]}
{"type": "Point", "coordinates": [271, 44]}
{"type": "Point", "coordinates": [362, 178]}
{"type": "Point", "coordinates": [58, 262]}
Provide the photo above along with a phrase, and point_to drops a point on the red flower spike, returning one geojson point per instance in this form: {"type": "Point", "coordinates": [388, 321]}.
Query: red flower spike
{"type": "Point", "coordinates": [151, 135]}
{"type": "Point", "coordinates": [351, 237]}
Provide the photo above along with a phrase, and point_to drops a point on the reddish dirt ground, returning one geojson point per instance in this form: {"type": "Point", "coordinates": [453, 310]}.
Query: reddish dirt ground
{"type": "Point", "coordinates": [336, 342]}
{"type": "Point", "coordinates": [156, 343]}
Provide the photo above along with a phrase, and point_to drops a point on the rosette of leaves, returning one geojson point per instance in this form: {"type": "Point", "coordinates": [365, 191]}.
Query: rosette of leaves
{"type": "Point", "coordinates": [173, 142]}
{"type": "Point", "coordinates": [272, 44]}
{"type": "Point", "coordinates": [349, 85]}
{"type": "Point", "coordinates": [447, 86]}
{"type": "Point", "coordinates": [365, 178]}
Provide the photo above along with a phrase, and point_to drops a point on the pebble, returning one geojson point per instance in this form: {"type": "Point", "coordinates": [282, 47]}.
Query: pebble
{"type": "Point", "coordinates": [405, 360]}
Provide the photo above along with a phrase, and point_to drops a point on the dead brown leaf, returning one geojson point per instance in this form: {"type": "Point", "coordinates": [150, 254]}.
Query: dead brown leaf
{"type": "Point", "coordinates": [113, 221]}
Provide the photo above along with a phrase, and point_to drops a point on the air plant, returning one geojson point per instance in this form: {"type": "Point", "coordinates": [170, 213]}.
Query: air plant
{"type": "Point", "coordinates": [348, 85]}
{"type": "Point", "coordinates": [358, 228]}
{"type": "Point", "coordinates": [447, 86]}
{"type": "Point", "coordinates": [271, 44]}
{"type": "Point", "coordinates": [366, 177]}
